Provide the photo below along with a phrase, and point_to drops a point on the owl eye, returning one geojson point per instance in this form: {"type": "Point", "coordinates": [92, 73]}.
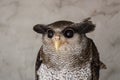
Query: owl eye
{"type": "Point", "coordinates": [50, 33]}
{"type": "Point", "coordinates": [69, 33]}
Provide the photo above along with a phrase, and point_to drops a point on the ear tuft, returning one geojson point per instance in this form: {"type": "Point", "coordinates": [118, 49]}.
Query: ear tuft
{"type": "Point", "coordinates": [87, 19]}
{"type": "Point", "coordinates": [39, 28]}
{"type": "Point", "coordinates": [86, 26]}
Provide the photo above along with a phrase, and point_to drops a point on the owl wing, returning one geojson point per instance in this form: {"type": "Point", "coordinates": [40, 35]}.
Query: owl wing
{"type": "Point", "coordinates": [95, 67]}
{"type": "Point", "coordinates": [96, 64]}
{"type": "Point", "coordinates": [38, 62]}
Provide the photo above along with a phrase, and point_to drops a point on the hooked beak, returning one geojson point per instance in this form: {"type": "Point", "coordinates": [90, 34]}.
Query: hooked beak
{"type": "Point", "coordinates": [57, 42]}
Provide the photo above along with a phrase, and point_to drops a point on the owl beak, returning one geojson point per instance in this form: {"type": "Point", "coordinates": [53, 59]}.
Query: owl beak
{"type": "Point", "coordinates": [57, 42]}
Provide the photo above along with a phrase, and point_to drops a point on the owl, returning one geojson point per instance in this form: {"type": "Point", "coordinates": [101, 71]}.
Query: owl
{"type": "Point", "coordinates": [66, 52]}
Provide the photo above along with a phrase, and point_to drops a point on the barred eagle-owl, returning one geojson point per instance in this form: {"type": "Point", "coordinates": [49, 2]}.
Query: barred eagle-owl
{"type": "Point", "coordinates": [66, 52]}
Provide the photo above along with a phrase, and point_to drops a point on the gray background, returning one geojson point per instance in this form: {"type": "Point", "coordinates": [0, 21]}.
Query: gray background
{"type": "Point", "coordinates": [19, 44]}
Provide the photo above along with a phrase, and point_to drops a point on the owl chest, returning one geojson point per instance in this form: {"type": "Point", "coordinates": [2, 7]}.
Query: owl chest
{"type": "Point", "coordinates": [64, 74]}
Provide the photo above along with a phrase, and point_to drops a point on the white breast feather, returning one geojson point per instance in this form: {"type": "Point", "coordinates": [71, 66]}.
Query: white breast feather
{"type": "Point", "coordinates": [64, 74]}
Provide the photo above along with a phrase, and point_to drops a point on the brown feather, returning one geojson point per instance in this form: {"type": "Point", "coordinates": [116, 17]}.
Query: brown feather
{"type": "Point", "coordinates": [38, 62]}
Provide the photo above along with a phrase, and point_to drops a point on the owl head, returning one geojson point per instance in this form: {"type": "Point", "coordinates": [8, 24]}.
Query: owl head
{"type": "Point", "coordinates": [63, 33]}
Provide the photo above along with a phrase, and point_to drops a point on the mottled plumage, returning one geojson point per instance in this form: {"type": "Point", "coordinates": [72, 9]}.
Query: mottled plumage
{"type": "Point", "coordinates": [67, 53]}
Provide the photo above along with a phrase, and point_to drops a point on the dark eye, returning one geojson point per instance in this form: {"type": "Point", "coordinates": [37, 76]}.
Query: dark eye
{"type": "Point", "coordinates": [50, 33]}
{"type": "Point", "coordinates": [69, 33]}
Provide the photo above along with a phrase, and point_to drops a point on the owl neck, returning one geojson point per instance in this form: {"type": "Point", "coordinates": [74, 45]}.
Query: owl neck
{"type": "Point", "coordinates": [69, 59]}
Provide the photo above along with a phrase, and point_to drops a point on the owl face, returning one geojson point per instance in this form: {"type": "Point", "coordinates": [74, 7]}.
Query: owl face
{"type": "Point", "coordinates": [63, 34]}
{"type": "Point", "coordinates": [59, 38]}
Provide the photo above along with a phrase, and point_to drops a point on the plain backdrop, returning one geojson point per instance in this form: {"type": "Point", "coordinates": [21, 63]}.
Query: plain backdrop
{"type": "Point", "coordinates": [19, 44]}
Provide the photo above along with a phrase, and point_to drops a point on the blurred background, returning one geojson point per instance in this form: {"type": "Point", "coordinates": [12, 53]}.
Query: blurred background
{"type": "Point", "coordinates": [19, 44]}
